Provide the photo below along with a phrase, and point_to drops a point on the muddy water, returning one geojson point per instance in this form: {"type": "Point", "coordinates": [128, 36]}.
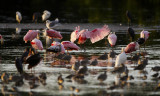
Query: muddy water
{"type": "Point", "coordinates": [143, 84]}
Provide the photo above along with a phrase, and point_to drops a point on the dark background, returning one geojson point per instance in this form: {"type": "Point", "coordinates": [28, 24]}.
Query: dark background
{"type": "Point", "coordinates": [83, 11]}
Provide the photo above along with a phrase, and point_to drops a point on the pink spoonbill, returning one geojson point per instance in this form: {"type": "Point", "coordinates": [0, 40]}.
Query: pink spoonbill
{"type": "Point", "coordinates": [121, 58]}
{"type": "Point", "coordinates": [83, 35]}
{"type": "Point", "coordinates": [69, 45]}
{"type": "Point", "coordinates": [75, 34]}
{"type": "Point", "coordinates": [144, 34]}
{"type": "Point", "coordinates": [133, 46]}
{"type": "Point", "coordinates": [53, 34]}
{"type": "Point", "coordinates": [30, 35]}
{"type": "Point", "coordinates": [37, 44]}
{"type": "Point", "coordinates": [112, 38]}
{"type": "Point", "coordinates": [99, 33]}
{"type": "Point", "coordinates": [56, 47]}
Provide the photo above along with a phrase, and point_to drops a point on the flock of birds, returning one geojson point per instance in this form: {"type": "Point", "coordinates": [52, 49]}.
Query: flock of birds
{"type": "Point", "coordinates": [32, 57]}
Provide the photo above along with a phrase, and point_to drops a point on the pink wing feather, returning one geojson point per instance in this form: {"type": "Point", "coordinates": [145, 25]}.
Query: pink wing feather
{"type": "Point", "coordinates": [75, 34]}
{"type": "Point", "coordinates": [70, 45]}
{"type": "Point", "coordinates": [99, 33]}
{"type": "Point", "coordinates": [54, 34]}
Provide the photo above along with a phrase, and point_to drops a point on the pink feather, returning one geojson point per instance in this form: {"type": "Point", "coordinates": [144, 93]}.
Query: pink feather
{"type": "Point", "coordinates": [54, 34]}
{"type": "Point", "coordinates": [30, 35]}
{"type": "Point", "coordinates": [99, 33]}
{"type": "Point", "coordinates": [69, 45]}
{"type": "Point", "coordinates": [37, 44]}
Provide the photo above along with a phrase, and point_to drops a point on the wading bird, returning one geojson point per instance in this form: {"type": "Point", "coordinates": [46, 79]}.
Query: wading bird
{"type": "Point", "coordinates": [121, 58]}
{"type": "Point", "coordinates": [37, 44]}
{"type": "Point", "coordinates": [112, 38]}
{"type": "Point", "coordinates": [18, 17]}
{"type": "Point", "coordinates": [30, 35]}
{"type": "Point", "coordinates": [46, 15]}
{"type": "Point", "coordinates": [53, 34]}
{"type": "Point", "coordinates": [36, 16]}
{"type": "Point", "coordinates": [131, 33]}
{"type": "Point", "coordinates": [52, 24]}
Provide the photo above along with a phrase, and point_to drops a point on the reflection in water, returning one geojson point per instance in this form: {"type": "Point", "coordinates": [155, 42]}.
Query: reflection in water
{"type": "Point", "coordinates": [82, 69]}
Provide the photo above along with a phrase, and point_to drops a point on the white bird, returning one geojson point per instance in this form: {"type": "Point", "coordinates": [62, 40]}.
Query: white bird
{"type": "Point", "coordinates": [46, 15]}
{"type": "Point", "coordinates": [18, 16]}
{"type": "Point", "coordinates": [121, 58]}
{"type": "Point", "coordinates": [52, 24]}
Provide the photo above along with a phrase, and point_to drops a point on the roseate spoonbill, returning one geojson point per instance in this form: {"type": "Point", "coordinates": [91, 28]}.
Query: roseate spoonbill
{"type": "Point", "coordinates": [131, 33]}
{"type": "Point", "coordinates": [19, 66]}
{"type": "Point", "coordinates": [83, 35]}
{"type": "Point", "coordinates": [75, 34]}
{"type": "Point", "coordinates": [33, 60]}
{"type": "Point", "coordinates": [94, 62]}
{"type": "Point", "coordinates": [52, 24]}
{"type": "Point", "coordinates": [129, 17]}
{"type": "Point", "coordinates": [144, 34]}
{"type": "Point", "coordinates": [103, 57]}
{"type": "Point", "coordinates": [30, 35]}
{"type": "Point", "coordinates": [36, 16]}
{"type": "Point", "coordinates": [133, 46]}
{"type": "Point", "coordinates": [46, 15]}
{"type": "Point", "coordinates": [18, 16]}
{"type": "Point", "coordinates": [53, 34]}
{"type": "Point", "coordinates": [69, 45]}
{"type": "Point", "coordinates": [121, 58]}
{"type": "Point", "coordinates": [112, 38]}
{"type": "Point", "coordinates": [99, 33]}
{"type": "Point", "coordinates": [76, 65]}
{"type": "Point", "coordinates": [37, 44]}
{"type": "Point", "coordinates": [56, 47]}
{"type": "Point", "coordinates": [102, 77]}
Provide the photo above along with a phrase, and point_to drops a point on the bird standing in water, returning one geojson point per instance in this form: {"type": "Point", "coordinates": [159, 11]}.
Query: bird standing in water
{"type": "Point", "coordinates": [121, 58]}
{"type": "Point", "coordinates": [52, 24]}
{"type": "Point", "coordinates": [18, 17]}
{"type": "Point", "coordinates": [102, 77]}
{"type": "Point", "coordinates": [33, 60]}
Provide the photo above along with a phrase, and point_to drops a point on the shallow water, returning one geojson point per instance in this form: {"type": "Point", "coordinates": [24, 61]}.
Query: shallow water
{"type": "Point", "coordinates": [14, 46]}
